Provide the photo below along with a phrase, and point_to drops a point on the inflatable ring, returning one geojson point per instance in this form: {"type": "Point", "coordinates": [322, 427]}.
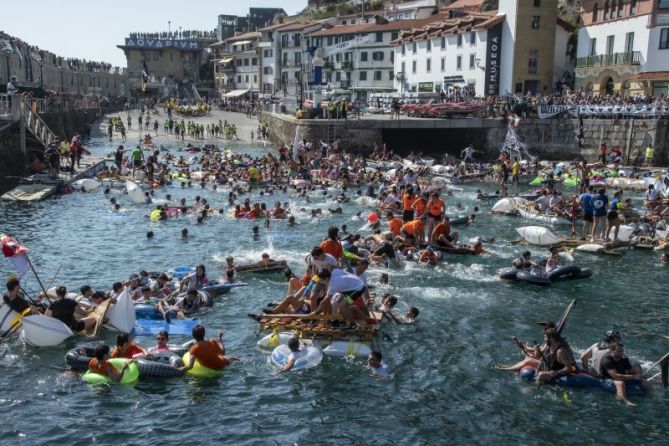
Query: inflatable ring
{"type": "Point", "coordinates": [526, 276]}
{"type": "Point", "coordinates": [566, 272]}
{"type": "Point", "coordinates": [146, 311]}
{"type": "Point", "coordinates": [312, 358]}
{"type": "Point", "coordinates": [129, 377]}
{"type": "Point", "coordinates": [79, 357]}
{"type": "Point", "coordinates": [200, 370]}
{"type": "Point", "coordinates": [160, 365]}
{"type": "Point", "coordinates": [508, 273]}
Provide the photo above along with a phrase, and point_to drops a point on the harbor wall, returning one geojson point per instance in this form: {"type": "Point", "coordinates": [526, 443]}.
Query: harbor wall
{"type": "Point", "coordinates": [551, 139]}
{"type": "Point", "coordinates": [14, 164]}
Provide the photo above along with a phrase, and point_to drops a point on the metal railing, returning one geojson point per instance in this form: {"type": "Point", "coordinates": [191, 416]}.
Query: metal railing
{"type": "Point", "coordinates": [605, 60]}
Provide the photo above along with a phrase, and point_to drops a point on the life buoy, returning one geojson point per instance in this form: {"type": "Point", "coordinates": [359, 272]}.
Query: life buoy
{"type": "Point", "coordinates": [79, 357]}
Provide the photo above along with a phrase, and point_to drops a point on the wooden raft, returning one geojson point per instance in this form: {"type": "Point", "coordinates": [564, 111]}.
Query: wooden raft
{"type": "Point", "coordinates": [275, 266]}
{"type": "Point", "coordinates": [320, 329]}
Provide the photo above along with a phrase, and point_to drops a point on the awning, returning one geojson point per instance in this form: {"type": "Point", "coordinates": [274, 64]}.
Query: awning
{"type": "Point", "coordinates": [243, 42]}
{"type": "Point", "coordinates": [235, 93]}
{"type": "Point", "coordinates": [227, 60]}
{"type": "Point", "coordinates": [652, 76]}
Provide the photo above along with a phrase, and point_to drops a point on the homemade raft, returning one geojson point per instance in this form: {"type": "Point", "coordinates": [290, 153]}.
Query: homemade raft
{"type": "Point", "coordinates": [320, 326]}
{"type": "Point", "coordinates": [275, 266]}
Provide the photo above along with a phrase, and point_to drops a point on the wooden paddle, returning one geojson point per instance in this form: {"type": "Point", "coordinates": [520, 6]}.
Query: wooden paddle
{"type": "Point", "coordinates": [101, 312]}
{"type": "Point", "coordinates": [15, 323]}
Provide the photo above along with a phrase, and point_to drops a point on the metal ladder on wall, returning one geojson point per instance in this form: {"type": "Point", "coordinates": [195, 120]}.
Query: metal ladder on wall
{"type": "Point", "coordinates": [332, 132]}
{"type": "Point", "coordinates": [36, 125]}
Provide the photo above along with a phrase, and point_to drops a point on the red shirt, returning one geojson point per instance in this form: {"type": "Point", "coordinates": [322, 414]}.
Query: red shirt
{"type": "Point", "coordinates": [209, 353]}
{"type": "Point", "coordinates": [130, 351]}
{"type": "Point", "coordinates": [332, 247]}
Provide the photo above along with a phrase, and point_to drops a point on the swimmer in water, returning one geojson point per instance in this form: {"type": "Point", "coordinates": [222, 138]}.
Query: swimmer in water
{"type": "Point", "coordinates": [256, 233]}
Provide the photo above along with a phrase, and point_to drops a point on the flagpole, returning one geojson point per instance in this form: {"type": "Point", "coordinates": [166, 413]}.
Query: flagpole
{"type": "Point", "coordinates": [37, 277]}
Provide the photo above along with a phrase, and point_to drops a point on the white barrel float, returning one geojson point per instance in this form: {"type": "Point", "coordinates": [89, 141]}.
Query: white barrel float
{"type": "Point", "coordinates": [624, 233]}
{"type": "Point", "coordinates": [273, 340]}
{"type": "Point", "coordinates": [508, 204]}
{"type": "Point", "coordinates": [367, 201]}
{"type": "Point", "coordinates": [44, 331]}
{"type": "Point", "coordinates": [538, 235]}
{"type": "Point", "coordinates": [591, 247]}
{"type": "Point", "coordinates": [87, 184]}
{"type": "Point", "coordinates": [135, 192]}
{"type": "Point", "coordinates": [348, 348]}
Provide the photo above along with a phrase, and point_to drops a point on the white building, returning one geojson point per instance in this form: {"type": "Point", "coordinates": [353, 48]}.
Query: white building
{"type": "Point", "coordinates": [237, 64]}
{"type": "Point", "coordinates": [623, 47]}
{"type": "Point", "coordinates": [518, 49]}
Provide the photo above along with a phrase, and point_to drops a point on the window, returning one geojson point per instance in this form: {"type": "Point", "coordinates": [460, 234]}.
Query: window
{"type": "Point", "coordinates": [610, 40]}
{"type": "Point", "coordinates": [255, 78]}
{"type": "Point", "coordinates": [629, 42]}
{"type": "Point", "coordinates": [379, 37]}
{"type": "Point", "coordinates": [377, 75]}
{"type": "Point", "coordinates": [338, 57]}
{"type": "Point", "coordinates": [328, 77]}
{"type": "Point", "coordinates": [391, 75]}
{"type": "Point", "coordinates": [363, 76]}
{"type": "Point", "coordinates": [593, 47]}
{"type": "Point", "coordinates": [663, 4]}
{"type": "Point", "coordinates": [458, 63]}
{"type": "Point", "coordinates": [621, 8]}
{"type": "Point", "coordinates": [532, 62]}
{"type": "Point", "coordinates": [404, 67]}
{"type": "Point", "coordinates": [285, 59]}
{"type": "Point", "coordinates": [363, 56]}
{"type": "Point", "coordinates": [443, 42]}
{"type": "Point", "coordinates": [338, 76]}
{"type": "Point", "coordinates": [254, 61]}
{"type": "Point", "coordinates": [330, 42]}
{"type": "Point", "coordinates": [377, 56]}
{"type": "Point", "coordinates": [413, 67]}
{"type": "Point", "coordinates": [606, 10]}
{"type": "Point", "coordinates": [664, 38]}
{"type": "Point", "coordinates": [535, 21]}
{"type": "Point", "coordinates": [459, 39]}
{"type": "Point", "coordinates": [595, 12]}
{"type": "Point", "coordinates": [246, 62]}
{"type": "Point", "coordinates": [537, 3]}
{"type": "Point", "coordinates": [443, 64]}
{"type": "Point", "coordinates": [298, 58]}
{"type": "Point", "coordinates": [246, 78]}
{"type": "Point", "coordinates": [472, 37]}
{"type": "Point", "coordinates": [238, 62]}
{"type": "Point", "coordinates": [429, 45]}
{"type": "Point", "coordinates": [472, 61]}
{"type": "Point", "coordinates": [633, 8]}
{"type": "Point", "coordinates": [392, 56]}
{"type": "Point", "coordinates": [267, 70]}
{"type": "Point", "coordinates": [239, 79]}
{"type": "Point", "coordinates": [404, 50]}
{"type": "Point", "coordinates": [414, 48]}
{"type": "Point", "coordinates": [268, 53]}
{"type": "Point", "coordinates": [428, 65]}
{"type": "Point", "coordinates": [394, 35]}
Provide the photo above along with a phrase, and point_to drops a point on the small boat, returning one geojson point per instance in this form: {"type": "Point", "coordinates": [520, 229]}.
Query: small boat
{"type": "Point", "coordinates": [135, 192]}
{"type": "Point", "coordinates": [273, 267]}
{"type": "Point", "coordinates": [30, 192]}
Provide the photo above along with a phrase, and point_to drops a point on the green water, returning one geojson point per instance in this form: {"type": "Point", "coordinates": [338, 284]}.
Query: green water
{"type": "Point", "coordinates": [444, 389]}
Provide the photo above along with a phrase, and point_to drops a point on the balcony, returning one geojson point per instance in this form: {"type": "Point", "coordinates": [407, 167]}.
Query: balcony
{"type": "Point", "coordinates": [607, 60]}
{"type": "Point", "coordinates": [345, 84]}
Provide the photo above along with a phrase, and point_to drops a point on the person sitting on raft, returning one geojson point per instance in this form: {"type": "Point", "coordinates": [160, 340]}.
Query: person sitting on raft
{"type": "Point", "coordinates": [559, 358]}
{"type": "Point", "coordinates": [616, 366]}
{"type": "Point", "coordinates": [14, 298]}
{"type": "Point", "coordinates": [188, 304]}
{"type": "Point", "coordinates": [344, 296]}
{"type": "Point", "coordinates": [295, 354]}
{"type": "Point", "coordinates": [532, 354]}
{"type": "Point", "coordinates": [195, 280]}
{"type": "Point", "coordinates": [162, 340]}
{"type": "Point", "coordinates": [442, 236]}
{"type": "Point", "coordinates": [208, 353]}
{"type": "Point", "coordinates": [100, 364]}
{"type": "Point", "coordinates": [125, 348]}
{"type": "Point", "coordinates": [64, 310]}
{"type": "Point", "coordinates": [523, 262]}
{"type": "Point", "coordinates": [413, 233]}
{"type": "Point", "coordinates": [553, 259]}
{"type": "Point", "coordinates": [598, 351]}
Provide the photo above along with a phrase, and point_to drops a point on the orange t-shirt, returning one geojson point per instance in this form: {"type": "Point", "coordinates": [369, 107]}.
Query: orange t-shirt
{"type": "Point", "coordinates": [101, 368]}
{"type": "Point", "coordinates": [208, 354]}
{"type": "Point", "coordinates": [437, 206]}
{"type": "Point", "coordinates": [441, 229]}
{"type": "Point", "coordinates": [333, 248]}
{"type": "Point", "coordinates": [129, 353]}
{"type": "Point", "coordinates": [419, 204]}
{"type": "Point", "coordinates": [395, 226]}
{"type": "Point", "coordinates": [413, 227]}
{"type": "Point", "coordinates": [407, 201]}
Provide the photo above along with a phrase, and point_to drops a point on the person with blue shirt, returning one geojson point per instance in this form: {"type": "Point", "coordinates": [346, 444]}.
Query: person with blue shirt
{"type": "Point", "coordinates": [613, 221]}
{"type": "Point", "coordinates": [600, 204]}
{"type": "Point", "coordinates": [586, 206]}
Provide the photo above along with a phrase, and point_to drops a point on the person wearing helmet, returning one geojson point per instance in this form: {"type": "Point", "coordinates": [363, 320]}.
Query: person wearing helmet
{"type": "Point", "coordinates": [591, 359]}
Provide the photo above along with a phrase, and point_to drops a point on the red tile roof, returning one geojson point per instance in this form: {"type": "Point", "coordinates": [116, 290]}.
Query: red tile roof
{"type": "Point", "coordinates": [652, 76]}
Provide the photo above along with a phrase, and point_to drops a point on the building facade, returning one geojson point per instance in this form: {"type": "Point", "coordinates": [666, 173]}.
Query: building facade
{"type": "Point", "coordinates": [238, 62]}
{"type": "Point", "coordinates": [176, 65]}
{"type": "Point", "coordinates": [623, 47]}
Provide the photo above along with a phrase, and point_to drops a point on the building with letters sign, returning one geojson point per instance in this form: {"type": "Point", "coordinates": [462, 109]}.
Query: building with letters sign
{"type": "Point", "coordinates": [177, 63]}
{"type": "Point", "coordinates": [471, 52]}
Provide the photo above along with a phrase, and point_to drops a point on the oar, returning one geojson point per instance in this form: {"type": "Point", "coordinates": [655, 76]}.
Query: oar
{"type": "Point", "coordinates": [664, 359]}
{"type": "Point", "coordinates": [560, 324]}
{"type": "Point", "coordinates": [54, 276]}
{"type": "Point", "coordinates": [36, 275]}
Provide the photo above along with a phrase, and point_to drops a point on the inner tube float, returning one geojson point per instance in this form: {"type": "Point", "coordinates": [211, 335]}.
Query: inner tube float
{"type": "Point", "coordinates": [160, 365]}
{"type": "Point", "coordinates": [311, 357]}
{"type": "Point", "coordinates": [129, 377]}
{"type": "Point", "coordinates": [584, 380]}
{"type": "Point", "coordinates": [146, 311]}
{"type": "Point", "coordinates": [348, 348]}
{"type": "Point", "coordinates": [79, 357]}
{"type": "Point", "coordinates": [569, 272]}
{"type": "Point", "coordinates": [200, 370]}
{"type": "Point", "coordinates": [566, 272]}
{"type": "Point", "coordinates": [508, 273]}
{"type": "Point", "coordinates": [534, 279]}
{"type": "Point", "coordinates": [180, 271]}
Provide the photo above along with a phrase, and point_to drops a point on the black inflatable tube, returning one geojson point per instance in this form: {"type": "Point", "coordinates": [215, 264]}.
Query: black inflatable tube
{"type": "Point", "coordinates": [79, 357]}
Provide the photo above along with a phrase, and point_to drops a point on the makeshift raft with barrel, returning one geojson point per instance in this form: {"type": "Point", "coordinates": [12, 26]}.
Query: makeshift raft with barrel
{"type": "Point", "coordinates": [272, 267]}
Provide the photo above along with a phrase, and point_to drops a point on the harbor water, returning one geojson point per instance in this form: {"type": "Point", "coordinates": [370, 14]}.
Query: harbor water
{"type": "Point", "coordinates": [444, 387]}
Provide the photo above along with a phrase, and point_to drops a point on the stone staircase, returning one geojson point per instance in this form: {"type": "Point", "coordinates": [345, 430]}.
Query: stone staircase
{"type": "Point", "coordinates": [35, 124]}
